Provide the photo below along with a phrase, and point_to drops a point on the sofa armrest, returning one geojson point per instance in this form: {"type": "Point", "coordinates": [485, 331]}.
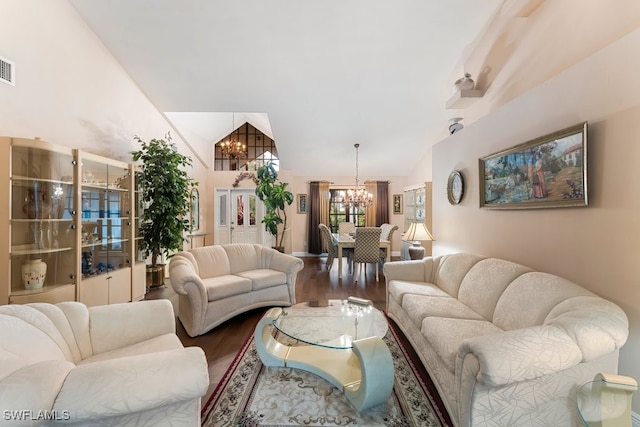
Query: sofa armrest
{"type": "Point", "coordinates": [285, 263]}
{"type": "Point", "coordinates": [119, 325]}
{"type": "Point", "coordinates": [33, 387]}
{"type": "Point", "coordinates": [183, 271]}
{"type": "Point", "coordinates": [518, 355]}
{"type": "Point", "coordinates": [133, 384]}
{"type": "Point", "coordinates": [412, 271]}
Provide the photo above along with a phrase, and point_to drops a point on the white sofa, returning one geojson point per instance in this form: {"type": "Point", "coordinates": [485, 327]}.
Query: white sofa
{"type": "Point", "coordinates": [215, 283]}
{"type": "Point", "coordinates": [115, 365]}
{"type": "Point", "coordinates": [504, 345]}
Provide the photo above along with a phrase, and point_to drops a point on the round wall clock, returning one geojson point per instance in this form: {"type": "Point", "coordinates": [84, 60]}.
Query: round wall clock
{"type": "Point", "coordinates": [455, 187]}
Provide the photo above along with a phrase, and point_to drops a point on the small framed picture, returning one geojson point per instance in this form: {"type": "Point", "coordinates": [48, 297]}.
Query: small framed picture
{"type": "Point", "coordinates": [397, 204]}
{"type": "Point", "coordinates": [302, 203]}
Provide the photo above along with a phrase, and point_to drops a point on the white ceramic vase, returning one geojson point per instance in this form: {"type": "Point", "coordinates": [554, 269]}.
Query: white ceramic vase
{"type": "Point", "coordinates": [34, 272]}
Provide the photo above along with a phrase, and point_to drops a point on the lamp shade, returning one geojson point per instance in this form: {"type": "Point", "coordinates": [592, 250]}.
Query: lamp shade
{"type": "Point", "coordinates": [418, 231]}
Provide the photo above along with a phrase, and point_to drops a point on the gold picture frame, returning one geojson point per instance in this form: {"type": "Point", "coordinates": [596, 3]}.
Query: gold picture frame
{"type": "Point", "coordinates": [547, 172]}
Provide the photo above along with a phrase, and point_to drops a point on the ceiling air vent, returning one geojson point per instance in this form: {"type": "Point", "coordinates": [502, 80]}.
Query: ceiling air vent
{"type": "Point", "coordinates": [7, 71]}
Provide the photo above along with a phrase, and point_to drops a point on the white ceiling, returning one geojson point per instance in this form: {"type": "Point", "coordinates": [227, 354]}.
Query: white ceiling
{"type": "Point", "coordinates": [317, 75]}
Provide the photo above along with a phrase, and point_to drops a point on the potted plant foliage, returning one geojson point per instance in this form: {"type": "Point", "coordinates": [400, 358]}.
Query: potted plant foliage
{"type": "Point", "coordinates": [276, 197]}
{"type": "Point", "coordinates": [165, 189]}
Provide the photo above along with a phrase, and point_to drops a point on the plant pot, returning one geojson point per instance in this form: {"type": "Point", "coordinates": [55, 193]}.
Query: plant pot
{"type": "Point", "coordinates": [155, 276]}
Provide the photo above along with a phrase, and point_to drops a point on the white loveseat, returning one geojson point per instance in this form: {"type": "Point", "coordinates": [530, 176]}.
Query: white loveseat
{"type": "Point", "coordinates": [504, 345]}
{"type": "Point", "coordinates": [216, 283]}
{"type": "Point", "coordinates": [116, 365]}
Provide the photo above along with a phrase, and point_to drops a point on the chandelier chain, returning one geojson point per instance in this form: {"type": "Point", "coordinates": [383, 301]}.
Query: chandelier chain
{"type": "Point", "coordinates": [357, 197]}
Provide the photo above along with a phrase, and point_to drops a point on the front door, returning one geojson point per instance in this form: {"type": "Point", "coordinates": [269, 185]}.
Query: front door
{"type": "Point", "coordinates": [238, 216]}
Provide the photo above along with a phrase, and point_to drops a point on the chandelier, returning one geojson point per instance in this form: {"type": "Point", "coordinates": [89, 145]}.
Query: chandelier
{"type": "Point", "coordinates": [357, 196]}
{"type": "Point", "coordinates": [233, 148]}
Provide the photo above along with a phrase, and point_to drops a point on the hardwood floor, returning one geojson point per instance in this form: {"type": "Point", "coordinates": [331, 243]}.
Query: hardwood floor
{"type": "Point", "coordinates": [314, 282]}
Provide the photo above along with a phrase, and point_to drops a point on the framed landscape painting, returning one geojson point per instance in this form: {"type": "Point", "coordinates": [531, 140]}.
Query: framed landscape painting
{"type": "Point", "coordinates": [547, 172]}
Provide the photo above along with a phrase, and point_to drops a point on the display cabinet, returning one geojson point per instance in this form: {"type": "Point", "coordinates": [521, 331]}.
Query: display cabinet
{"type": "Point", "coordinates": [41, 266]}
{"type": "Point", "coordinates": [73, 221]}
{"type": "Point", "coordinates": [105, 228]}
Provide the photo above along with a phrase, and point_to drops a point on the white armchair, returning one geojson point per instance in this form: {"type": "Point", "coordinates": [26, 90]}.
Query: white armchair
{"type": "Point", "coordinates": [120, 364]}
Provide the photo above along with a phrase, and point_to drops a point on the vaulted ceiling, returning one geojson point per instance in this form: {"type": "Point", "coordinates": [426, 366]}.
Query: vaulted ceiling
{"type": "Point", "coordinates": [316, 75]}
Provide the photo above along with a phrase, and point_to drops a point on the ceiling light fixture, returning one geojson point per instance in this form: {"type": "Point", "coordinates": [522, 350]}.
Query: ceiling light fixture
{"type": "Point", "coordinates": [357, 197]}
{"type": "Point", "coordinates": [233, 148]}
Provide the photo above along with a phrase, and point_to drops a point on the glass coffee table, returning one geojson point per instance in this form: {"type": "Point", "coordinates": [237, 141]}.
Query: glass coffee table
{"type": "Point", "coordinates": [340, 342]}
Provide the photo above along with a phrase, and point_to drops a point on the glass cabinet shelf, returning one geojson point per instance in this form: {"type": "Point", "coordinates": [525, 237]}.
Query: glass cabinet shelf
{"type": "Point", "coordinates": [31, 249]}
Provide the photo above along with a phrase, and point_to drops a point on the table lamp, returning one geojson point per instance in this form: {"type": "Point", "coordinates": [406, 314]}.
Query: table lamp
{"type": "Point", "coordinates": [417, 233]}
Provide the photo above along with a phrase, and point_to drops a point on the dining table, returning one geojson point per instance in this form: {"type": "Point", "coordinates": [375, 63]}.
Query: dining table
{"type": "Point", "coordinates": [347, 241]}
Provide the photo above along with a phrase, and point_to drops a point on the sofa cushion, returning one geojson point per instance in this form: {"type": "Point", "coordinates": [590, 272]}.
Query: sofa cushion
{"type": "Point", "coordinates": [226, 286]}
{"type": "Point", "coordinates": [446, 335]}
{"type": "Point", "coordinates": [242, 257]}
{"type": "Point", "coordinates": [210, 261]}
{"type": "Point", "coordinates": [534, 294]}
{"type": "Point", "coordinates": [451, 271]}
{"type": "Point", "coordinates": [23, 343]}
{"type": "Point", "coordinates": [153, 345]}
{"type": "Point", "coordinates": [399, 288]}
{"type": "Point", "coordinates": [484, 283]}
{"type": "Point", "coordinates": [264, 278]}
{"type": "Point", "coordinates": [419, 307]}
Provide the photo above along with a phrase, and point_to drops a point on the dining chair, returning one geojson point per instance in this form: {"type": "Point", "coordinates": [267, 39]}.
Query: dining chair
{"type": "Point", "coordinates": [386, 234]}
{"type": "Point", "coordinates": [330, 243]}
{"type": "Point", "coordinates": [366, 249]}
{"type": "Point", "coordinates": [346, 227]}
{"type": "Point", "coordinates": [332, 247]}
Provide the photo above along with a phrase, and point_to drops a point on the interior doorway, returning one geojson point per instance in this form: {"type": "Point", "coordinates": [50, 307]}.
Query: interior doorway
{"type": "Point", "coordinates": [238, 216]}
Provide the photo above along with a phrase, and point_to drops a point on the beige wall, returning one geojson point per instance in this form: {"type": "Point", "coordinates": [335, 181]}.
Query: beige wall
{"type": "Point", "coordinates": [595, 246]}
{"type": "Point", "coordinates": [70, 90]}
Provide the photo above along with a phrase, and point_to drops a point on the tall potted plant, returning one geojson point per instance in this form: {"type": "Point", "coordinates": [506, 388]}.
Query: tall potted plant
{"type": "Point", "coordinates": [276, 197]}
{"type": "Point", "coordinates": [165, 190]}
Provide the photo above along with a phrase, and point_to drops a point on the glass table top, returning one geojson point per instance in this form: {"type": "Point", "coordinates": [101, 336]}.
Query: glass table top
{"type": "Point", "coordinates": [335, 326]}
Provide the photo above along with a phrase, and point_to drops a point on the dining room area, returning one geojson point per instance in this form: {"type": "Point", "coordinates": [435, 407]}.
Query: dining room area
{"type": "Point", "coordinates": [359, 246]}
{"type": "Point", "coordinates": [359, 231]}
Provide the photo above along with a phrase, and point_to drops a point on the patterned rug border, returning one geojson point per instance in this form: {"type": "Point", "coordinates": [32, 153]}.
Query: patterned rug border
{"type": "Point", "coordinates": [405, 347]}
{"type": "Point", "coordinates": [418, 368]}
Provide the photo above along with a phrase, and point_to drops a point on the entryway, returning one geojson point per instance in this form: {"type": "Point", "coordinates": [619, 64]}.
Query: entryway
{"type": "Point", "coordinates": [238, 217]}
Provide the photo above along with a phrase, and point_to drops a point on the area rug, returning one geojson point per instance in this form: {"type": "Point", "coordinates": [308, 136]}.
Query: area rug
{"type": "Point", "coordinates": [252, 395]}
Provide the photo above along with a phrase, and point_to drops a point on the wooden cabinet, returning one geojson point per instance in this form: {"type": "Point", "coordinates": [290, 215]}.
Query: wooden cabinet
{"type": "Point", "coordinates": [70, 234]}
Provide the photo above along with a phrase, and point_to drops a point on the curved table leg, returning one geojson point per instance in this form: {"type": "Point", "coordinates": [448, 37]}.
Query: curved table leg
{"type": "Point", "coordinates": [271, 352]}
{"type": "Point", "coordinates": [364, 373]}
{"type": "Point", "coordinates": [377, 373]}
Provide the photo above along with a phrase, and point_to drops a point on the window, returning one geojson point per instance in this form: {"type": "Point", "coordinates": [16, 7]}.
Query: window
{"type": "Point", "coordinates": [338, 212]}
{"type": "Point", "coordinates": [260, 150]}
